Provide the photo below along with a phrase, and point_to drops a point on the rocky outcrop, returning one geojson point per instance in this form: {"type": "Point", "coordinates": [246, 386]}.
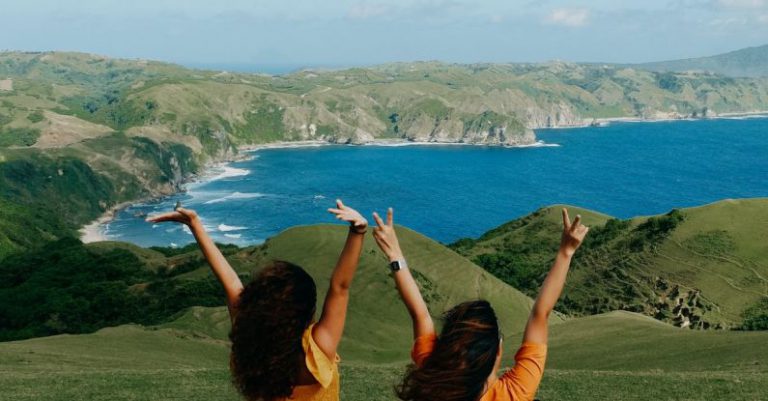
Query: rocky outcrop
{"type": "Point", "coordinates": [684, 308]}
{"type": "Point", "coordinates": [555, 116]}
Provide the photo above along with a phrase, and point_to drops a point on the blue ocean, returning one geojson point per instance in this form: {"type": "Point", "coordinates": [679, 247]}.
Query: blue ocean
{"type": "Point", "coordinates": [450, 192]}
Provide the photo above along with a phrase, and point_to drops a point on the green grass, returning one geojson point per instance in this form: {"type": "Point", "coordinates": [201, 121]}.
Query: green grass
{"type": "Point", "coordinates": [615, 356]}
{"type": "Point", "coordinates": [606, 357]}
{"type": "Point", "coordinates": [712, 256]}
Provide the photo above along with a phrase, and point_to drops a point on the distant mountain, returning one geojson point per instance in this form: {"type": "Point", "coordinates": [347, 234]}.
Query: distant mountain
{"type": "Point", "coordinates": [750, 62]}
{"type": "Point", "coordinates": [80, 133]}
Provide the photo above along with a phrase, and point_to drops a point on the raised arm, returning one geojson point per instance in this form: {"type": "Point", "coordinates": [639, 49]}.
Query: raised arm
{"type": "Point", "coordinates": [221, 268]}
{"type": "Point", "coordinates": [329, 329]}
{"type": "Point", "coordinates": [386, 238]}
{"type": "Point", "coordinates": [536, 331]}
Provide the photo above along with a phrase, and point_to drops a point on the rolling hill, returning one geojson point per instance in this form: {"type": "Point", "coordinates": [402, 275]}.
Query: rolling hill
{"type": "Point", "coordinates": [74, 288]}
{"type": "Point", "coordinates": [749, 62]}
{"type": "Point", "coordinates": [703, 267]}
{"type": "Point", "coordinates": [618, 355]}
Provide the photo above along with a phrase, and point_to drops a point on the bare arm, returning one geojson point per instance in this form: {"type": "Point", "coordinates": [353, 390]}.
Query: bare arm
{"type": "Point", "coordinates": [329, 329]}
{"type": "Point", "coordinates": [536, 331]}
{"type": "Point", "coordinates": [221, 268]}
{"type": "Point", "coordinates": [386, 238]}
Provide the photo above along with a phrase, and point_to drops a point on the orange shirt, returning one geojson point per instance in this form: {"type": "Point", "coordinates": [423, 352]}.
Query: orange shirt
{"type": "Point", "coordinates": [517, 384]}
{"type": "Point", "coordinates": [325, 371]}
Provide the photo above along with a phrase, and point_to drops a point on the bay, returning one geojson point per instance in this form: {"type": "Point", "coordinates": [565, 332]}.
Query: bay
{"type": "Point", "coordinates": [450, 192]}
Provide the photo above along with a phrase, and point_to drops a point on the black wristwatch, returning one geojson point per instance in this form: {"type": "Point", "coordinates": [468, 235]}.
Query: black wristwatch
{"type": "Point", "coordinates": [398, 265]}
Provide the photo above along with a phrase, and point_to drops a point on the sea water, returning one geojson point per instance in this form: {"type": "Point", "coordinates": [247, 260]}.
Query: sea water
{"type": "Point", "coordinates": [451, 192]}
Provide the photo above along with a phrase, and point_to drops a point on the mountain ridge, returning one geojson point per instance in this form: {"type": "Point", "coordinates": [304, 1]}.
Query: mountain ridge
{"type": "Point", "coordinates": [747, 62]}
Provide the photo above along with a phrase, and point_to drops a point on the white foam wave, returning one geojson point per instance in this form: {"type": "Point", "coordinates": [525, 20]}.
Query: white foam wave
{"type": "Point", "coordinates": [225, 228]}
{"type": "Point", "coordinates": [539, 144]}
{"type": "Point", "coordinates": [397, 144]}
{"type": "Point", "coordinates": [235, 195]}
{"type": "Point", "coordinates": [223, 172]}
{"type": "Point", "coordinates": [233, 236]}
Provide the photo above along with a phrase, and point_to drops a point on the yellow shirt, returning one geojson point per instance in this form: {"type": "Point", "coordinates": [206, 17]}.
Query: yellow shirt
{"type": "Point", "coordinates": [325, 371]}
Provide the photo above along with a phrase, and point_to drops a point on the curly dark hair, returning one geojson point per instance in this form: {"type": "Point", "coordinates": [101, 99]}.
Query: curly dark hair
{"type": "Point", "coordinates": [463, 358]}
{"type": "Point", "coordinates": [275, 309]}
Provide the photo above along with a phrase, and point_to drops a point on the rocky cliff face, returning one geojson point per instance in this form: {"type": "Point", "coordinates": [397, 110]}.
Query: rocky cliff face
{"type": "Point", "coordinates": [559, 115]}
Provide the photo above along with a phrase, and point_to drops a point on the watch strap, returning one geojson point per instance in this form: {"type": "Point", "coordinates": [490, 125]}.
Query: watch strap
{"type": "Point", "coordinates": [397, 265]}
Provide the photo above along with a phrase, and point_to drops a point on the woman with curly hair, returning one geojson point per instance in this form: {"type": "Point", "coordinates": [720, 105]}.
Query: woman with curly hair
{"type": "Point", "coordinates": [462, 362]}
{"type": "Point", "coordinates": [278, 350]}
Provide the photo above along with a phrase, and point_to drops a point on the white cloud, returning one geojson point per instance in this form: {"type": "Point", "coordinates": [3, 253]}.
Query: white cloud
{"type": "Point", "coordinates": [743, 3]}
{"type": "Point", "coordinates": [569, 17]}
{"type": "Point", "coordinates": [365, 11]}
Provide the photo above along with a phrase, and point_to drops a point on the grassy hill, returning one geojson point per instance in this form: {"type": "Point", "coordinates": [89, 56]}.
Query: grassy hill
{"type": "Point", "coordinates": [72, 288]}
{"type": "Point", "coordinates": [704, 267]}
{"type": "Point", "coordinates": [749, 62]}
{"type": "Point", "coordinates": [617, 356]}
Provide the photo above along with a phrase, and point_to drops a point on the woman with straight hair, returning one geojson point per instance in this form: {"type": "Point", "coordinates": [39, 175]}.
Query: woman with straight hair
{"type": "Point", "coordinates": [462, 362]}
{"type": "Point", "coordinates": [278, 351]}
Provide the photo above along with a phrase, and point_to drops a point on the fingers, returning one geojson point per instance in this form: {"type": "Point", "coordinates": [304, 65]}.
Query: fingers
{"type": "Point", "coordinates": [378, 220]}
{"type": "Point", "coordinates": [576, 221]}
{"type": "Point", "coordinates": [339, 204]}
{"type": "Point", "coordinates": [186, 212]}
{"type": "Point", "coordinates": [335, 211]}
{"type": "Point", "coordinates": [390, 216]}
{"type": "Point", "coordinates": [162, 217]}
{"type": "Point", "coordinates": [566, 219]}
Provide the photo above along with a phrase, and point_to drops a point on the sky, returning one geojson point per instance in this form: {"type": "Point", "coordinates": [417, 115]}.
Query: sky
{"type": "Point", "coordinates": [307, 33]}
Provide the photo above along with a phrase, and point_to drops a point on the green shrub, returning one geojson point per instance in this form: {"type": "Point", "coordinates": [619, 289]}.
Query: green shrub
{"type": "Point", "coordinates": [19, 136]}
{"type": "Point", "coordinates": [65, 287]}
{"type": "Point", "coordinates": [35, 116]}
{"type": "Point", "coordinates": [756, 316]}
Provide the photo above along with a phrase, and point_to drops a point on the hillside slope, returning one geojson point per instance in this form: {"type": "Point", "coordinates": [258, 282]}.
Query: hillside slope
{"type": "Point", "coordinates": [749, 62]}
{"type": "Point", "coordinates": [73, 288]}
{"type": "Point", "coordinates": [704, 267]}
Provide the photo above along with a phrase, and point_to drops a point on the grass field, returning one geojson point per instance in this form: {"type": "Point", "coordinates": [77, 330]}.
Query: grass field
{"type": "Point", "coordinates": [617, 356]}
{"type": "Point", "coordinates": [614, 356]}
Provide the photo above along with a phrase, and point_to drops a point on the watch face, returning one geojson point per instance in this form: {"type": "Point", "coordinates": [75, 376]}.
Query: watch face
{"type": "Point", "coordinates": [395, 266]}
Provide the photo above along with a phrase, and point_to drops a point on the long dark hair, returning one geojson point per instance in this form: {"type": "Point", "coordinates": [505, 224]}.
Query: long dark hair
{"type": "Point", "coordinates": [274, 310]}
{"type": "Point", "coordinates": [463, 358]}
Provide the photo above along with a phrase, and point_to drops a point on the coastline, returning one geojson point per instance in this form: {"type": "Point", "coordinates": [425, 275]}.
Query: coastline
{"type": "Point", "coordinates": [597, 122]}
{"type": "Point", "coordinates": [95, 230]}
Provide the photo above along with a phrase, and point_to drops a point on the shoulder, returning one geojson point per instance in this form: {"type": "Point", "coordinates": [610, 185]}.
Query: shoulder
{"type": "Point", "coordinates": [318, 363]}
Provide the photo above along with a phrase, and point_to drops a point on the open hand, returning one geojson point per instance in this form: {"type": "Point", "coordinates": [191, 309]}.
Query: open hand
{"type": "Point", "coordinates": [573, 234]}
{"type": "Point", "coordinates": [180, 215]}
{"type": "Point", "coordinates": [385, 236]}
{"type": "Point", "coordinates": [345, 213]}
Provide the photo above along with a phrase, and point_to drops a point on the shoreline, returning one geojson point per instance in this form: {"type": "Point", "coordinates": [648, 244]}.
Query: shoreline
{"type": "Point", "coordinates": [595, 122]}
{"type": "Point", "coordinates": [95, 230]}
{"type": "Point", "coordinates": [380, 142]}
